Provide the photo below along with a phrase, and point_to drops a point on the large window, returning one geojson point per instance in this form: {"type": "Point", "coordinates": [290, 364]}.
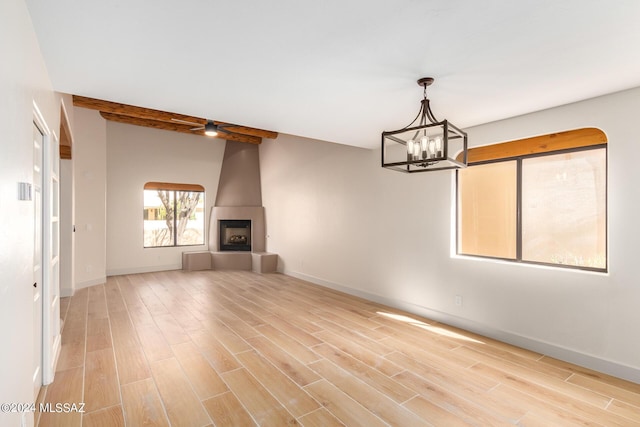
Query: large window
{"type": "Point", "coordinates": [173, 214]}
{"type": "Point", "coordinates": [541, 200]}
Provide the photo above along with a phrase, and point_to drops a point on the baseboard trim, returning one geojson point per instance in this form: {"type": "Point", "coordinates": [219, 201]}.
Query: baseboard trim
{"type": "Point", "coordinates": [553, 350]}
{"type": "Point", "coordinates": [147, 269]}
{"type": "Point", "coordinates": [57, 347]}
{"type": "Point", "coordinates": [93, 282]}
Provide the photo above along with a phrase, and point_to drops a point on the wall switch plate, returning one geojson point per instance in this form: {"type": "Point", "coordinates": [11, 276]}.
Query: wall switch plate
{"type": "Point", "coordinates": [24, 191]}
{"type": "Point", "coordinates": [458, 300]}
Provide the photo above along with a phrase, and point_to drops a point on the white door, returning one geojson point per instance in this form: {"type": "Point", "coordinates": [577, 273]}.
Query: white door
{"type": "Point", "coordinates": [50, 290]}
{"type": "Point", "coordinates": [38, 142]}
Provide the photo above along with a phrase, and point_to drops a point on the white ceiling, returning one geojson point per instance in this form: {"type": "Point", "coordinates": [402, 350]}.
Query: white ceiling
{"type": "Point", "coordinates": [340, 70]}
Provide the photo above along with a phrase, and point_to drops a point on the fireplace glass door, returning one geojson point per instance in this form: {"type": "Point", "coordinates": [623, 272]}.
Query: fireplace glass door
{"type": "Point", "coordinates": [235, 235]}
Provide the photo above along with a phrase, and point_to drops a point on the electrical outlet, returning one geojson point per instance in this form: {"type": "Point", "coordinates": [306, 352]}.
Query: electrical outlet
{"type": "Point", "coordinates": [458, 300]}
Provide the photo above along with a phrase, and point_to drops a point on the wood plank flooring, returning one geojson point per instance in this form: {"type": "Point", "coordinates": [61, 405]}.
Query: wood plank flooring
{"type": "Point", "coordinates": [241, 349]}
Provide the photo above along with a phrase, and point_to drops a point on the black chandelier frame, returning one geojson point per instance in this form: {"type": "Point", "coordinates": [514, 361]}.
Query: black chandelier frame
{"type": "Point", "coordinates": [424, 160]}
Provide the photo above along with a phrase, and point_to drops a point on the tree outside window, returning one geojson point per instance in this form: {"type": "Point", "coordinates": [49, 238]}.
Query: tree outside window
{"type": "Point", "coordinates": [173, 216]}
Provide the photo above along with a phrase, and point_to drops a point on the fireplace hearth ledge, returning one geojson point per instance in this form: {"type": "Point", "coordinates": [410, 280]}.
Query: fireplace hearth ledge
{"type": "Point", "coordinates": [258, 262]}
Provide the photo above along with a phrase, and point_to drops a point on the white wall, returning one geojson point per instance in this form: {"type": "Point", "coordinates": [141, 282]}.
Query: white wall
{"type": "Point", "coordinates": [136, 155]}
{"type": "Point", "coordinates": [23, 80]}
{"type": "Point", "coordinates": [337, 218]}
{"type": "Point", "coordinates": [90, 181]}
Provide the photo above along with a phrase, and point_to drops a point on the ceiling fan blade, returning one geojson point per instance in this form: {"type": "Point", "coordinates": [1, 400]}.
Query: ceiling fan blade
{"type": "Point", "coordinates": [219, 128]}
{"type": "Point", "coordinates": [186, 122]}
{"type": "Point", "coordinates": [223, 128]}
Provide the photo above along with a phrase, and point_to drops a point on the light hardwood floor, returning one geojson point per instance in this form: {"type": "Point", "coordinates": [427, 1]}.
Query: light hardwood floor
{"type": "Point", "coordinates": [239, 349]}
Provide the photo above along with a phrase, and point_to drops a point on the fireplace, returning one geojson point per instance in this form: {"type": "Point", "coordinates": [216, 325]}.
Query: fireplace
{"type": "Point", "coordinates": [235, 234]}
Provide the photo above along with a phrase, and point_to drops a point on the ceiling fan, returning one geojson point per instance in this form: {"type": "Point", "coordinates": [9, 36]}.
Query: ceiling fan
{"type": "Point", "coordinates": [210, 128]}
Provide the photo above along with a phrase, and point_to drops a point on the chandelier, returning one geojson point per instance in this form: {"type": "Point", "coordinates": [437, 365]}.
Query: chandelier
{"type": "Point", "coordinates": [428, 146]}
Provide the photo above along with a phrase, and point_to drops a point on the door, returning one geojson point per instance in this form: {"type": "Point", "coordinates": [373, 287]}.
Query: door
{"type": "Point", "coordinates": [38, 142]}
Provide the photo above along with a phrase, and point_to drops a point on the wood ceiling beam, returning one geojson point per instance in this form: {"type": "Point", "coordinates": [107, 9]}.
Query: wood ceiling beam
{"type": "Point", "coordinates": [177, 127]}
{"type": "Point", "coordinates": [538, 144]}
{"type": "Point", "coordinates": [65, 152]}
{"type": "Point", "coordinates": [163, 116]}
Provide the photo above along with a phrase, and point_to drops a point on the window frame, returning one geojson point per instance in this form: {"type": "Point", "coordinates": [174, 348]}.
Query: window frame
{"type": "Point", "coordinates": [175, 188]}
{"type": "Point", "coordinates": [544, 152]}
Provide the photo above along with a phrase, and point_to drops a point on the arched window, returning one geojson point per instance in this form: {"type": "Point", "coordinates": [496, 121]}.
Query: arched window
{"type": "Point", "coordinates": [539, 200]}
{"type": "Point", "coordinates": [173, 214]}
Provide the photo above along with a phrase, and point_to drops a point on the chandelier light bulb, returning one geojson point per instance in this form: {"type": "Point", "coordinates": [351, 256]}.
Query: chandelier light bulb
{"type": "Point", "coordinates": [432, 148]}
{"type": "Point", "coordinates": [410, 144]}
{"type": "Point", "coordinates": [424, 141]}
{"type": "Point", "coordinates": [438, 142]}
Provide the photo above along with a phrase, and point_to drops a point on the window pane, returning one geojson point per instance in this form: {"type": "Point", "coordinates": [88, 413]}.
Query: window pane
{"type": "Point", "coordinates": [564, 209]}
{"type": "Point", "coordinates": [158, 218]}
{"type": "Point", "coordinates": [190, 226]}
{"type": "Point", "coordinates": [487, 210]}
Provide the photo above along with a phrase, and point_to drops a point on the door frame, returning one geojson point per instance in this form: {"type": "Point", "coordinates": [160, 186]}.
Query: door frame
{"type": "Point", "coordinates": [38, 147]}
{"type": "Point", "coordinates": [51, 336]}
